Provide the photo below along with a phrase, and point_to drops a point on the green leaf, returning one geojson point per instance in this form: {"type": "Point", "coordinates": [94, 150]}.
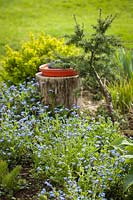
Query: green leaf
{"type": "Point", "coordinates": [129, 149]}
{"type": "Point", "coordinates": [128, 182]}
{"type": "Point", "coordinates": [128, 156]}
{"type": "Point", "coordinates": [125, 142]}
{"type": "Point", "coordinates": [117, 142]}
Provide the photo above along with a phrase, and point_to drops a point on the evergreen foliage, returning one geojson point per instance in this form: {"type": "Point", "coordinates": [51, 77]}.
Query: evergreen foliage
{"type": "Point", "coordinates": [8, 179]}
{"type": "Point", "coordinates": [98, 51]}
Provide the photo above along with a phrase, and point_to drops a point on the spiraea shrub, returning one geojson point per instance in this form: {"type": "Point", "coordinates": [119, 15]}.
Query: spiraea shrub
{"type": "Point", "coordinates": [23, 63]}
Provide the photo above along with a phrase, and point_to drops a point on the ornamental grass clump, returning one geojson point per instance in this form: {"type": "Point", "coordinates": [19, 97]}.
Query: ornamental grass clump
{"type": "Point", "coordinates": [122, 95]}
{"type": "Point", "coordinates": [122, 89]}
{"type": "Point", "coordinates": [124, 60]}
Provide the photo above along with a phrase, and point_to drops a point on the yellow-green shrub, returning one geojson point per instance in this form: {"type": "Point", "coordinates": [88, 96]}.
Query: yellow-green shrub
{"type": "Point", "coordinates": [24, 63]}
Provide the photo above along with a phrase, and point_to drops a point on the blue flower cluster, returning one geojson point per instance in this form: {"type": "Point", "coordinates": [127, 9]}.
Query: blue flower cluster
{"type": "Point", "coordinates": [73, 151]}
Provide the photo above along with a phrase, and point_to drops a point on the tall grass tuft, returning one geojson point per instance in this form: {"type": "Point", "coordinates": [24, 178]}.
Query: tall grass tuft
{"type": "Point", "coordinates": [125, 62]}
{"type": "Point", "coordinates": [122, 91]}
{"type": "Point", "coordinates": [122, 95]}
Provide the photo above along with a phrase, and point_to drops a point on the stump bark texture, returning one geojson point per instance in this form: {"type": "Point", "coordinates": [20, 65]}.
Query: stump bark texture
{"type": "Point", "coordinates": [59, 91]}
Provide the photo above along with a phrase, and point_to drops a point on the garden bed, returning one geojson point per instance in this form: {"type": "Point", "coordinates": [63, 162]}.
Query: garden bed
{"type": "Point", "coordinates": [63, 155]}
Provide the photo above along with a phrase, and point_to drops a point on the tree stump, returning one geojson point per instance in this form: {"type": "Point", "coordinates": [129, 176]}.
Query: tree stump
{"type": "Point", "coordinates": [59, 91]}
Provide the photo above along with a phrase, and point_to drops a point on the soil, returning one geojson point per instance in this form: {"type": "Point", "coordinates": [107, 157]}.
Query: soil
{"type": "Point", "coordinates": [131, 119]}
{"type": "Point", "coordinates": [87, 103]}
{"type": "Point", "coordinates": [129, 132]}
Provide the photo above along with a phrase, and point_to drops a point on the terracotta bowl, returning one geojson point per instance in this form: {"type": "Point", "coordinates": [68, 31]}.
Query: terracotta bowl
{"type": "Point", "coordinates": [56, 72]}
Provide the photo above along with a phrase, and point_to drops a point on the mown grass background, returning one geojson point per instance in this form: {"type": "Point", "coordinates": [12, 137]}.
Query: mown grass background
{"type": "Point", "coordinates": [19, 18]}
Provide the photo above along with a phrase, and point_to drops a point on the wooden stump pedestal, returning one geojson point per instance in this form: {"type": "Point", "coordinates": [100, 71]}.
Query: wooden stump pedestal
{"type": "Point", "coordinates": [59, 91]}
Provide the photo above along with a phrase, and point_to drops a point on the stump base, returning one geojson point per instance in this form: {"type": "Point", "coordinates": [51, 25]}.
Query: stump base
{"type": "Point", "coordinates": [59, 91]}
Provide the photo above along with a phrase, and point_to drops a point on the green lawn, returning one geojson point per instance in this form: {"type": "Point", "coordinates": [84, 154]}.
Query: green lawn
{"type": "Point", "coordinates": [19, 18]}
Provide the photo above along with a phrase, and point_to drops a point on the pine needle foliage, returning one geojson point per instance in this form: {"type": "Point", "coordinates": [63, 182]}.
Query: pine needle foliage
{"type": "Point", "coordinates": [98, 51]}
{"type": "Point", "coordinates": [8, 179]}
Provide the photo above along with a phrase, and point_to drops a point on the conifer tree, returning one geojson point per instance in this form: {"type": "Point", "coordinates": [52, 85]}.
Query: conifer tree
{"type": "Point", "coordinates": [98, 50]}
